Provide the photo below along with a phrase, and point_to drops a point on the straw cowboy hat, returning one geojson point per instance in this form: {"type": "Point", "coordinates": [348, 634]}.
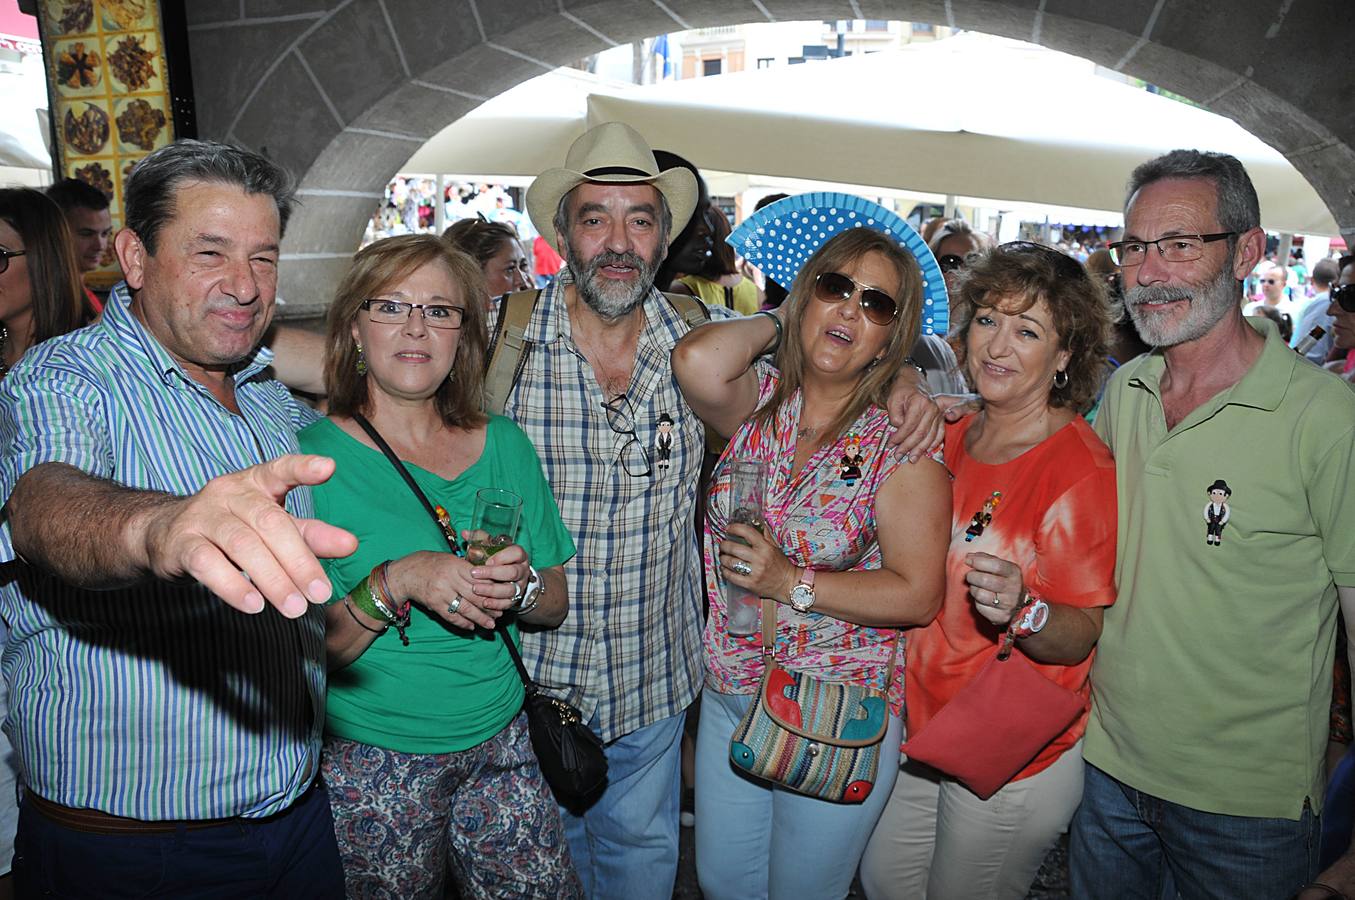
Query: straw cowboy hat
{"type": "Point", "coordinates": [611, 153]}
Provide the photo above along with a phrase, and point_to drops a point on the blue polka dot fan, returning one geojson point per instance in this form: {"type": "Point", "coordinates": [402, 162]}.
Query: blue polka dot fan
{"type": "Point", "coordinates": [780, 238]}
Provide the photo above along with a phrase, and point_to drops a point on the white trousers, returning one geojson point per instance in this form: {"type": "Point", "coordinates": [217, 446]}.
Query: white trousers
{"type": "Point", "coordinates": [937, 840]}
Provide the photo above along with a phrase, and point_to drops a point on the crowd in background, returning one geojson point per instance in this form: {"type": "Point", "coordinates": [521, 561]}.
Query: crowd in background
{"type": "Point", "coordinates": [292, 674]}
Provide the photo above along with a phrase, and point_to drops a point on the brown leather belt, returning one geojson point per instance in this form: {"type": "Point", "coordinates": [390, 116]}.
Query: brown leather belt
{"type": "Point", "coordinates": [92, 821]}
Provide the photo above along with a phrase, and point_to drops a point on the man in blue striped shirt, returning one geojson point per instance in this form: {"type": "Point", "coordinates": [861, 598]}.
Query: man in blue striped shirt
{"type": "Point", "coordinates": [169, 740]}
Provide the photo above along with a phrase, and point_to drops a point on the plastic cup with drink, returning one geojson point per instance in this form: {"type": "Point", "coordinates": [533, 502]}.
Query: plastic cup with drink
{"type": "Point", "coordinates": [747, 479]}
{"type": "Point", "coordinates": [494, 524]}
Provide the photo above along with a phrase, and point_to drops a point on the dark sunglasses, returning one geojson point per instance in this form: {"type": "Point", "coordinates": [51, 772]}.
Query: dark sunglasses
{"type": "Point", "coordinates": [6, 255]}
{"type": "Point", "coordinates": [950, 262]}
{"type": "Point", "coordinates": [1344, 296]}
{"type": "Point", "coordinates": [876, 305]}
{"type": "Point", "coordinates": [1064, 265]}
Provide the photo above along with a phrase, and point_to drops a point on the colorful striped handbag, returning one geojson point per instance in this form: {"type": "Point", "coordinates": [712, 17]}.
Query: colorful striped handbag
{"type": "Point", "coordinates": [819, 738]}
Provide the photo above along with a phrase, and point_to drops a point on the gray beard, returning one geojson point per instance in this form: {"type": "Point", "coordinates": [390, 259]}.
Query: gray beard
{"type": "Point", "coordinates": [1209, 303]}
{"type": "Point", "coordinates": [607, 298]}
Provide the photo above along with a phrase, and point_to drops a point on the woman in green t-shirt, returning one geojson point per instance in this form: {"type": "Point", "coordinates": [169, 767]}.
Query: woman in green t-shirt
{"type": "Point", "coordinates": [426, 758]}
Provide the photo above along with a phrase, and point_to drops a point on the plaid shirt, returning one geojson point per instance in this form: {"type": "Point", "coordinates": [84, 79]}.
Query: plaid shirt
{"type": "Point", "coordinates": [629, 652]}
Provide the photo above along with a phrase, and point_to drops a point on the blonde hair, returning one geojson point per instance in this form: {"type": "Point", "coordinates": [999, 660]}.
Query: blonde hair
{"type": "Point", "coordinates": [839, 253]}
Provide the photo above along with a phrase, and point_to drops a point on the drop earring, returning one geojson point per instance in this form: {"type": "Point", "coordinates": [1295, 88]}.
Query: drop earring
{"type": "Point", "coordinates": [361, 364]}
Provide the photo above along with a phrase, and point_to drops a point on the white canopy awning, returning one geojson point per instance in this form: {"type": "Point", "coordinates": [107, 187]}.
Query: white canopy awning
{"type": "Point", "coordinates": [971, 115]}
{"type": "Point", "coordinates": [23, 121]}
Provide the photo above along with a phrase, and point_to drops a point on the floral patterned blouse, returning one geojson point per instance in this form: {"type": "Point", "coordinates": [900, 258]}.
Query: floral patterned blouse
{"type": "Point", "coordinates": [823, 517]}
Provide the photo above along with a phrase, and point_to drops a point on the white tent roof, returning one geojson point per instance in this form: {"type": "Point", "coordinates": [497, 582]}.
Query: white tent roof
{"type": "Point", "coordinates": [1038, 126]}
{"type": "Point", "coordinates": [23, 121]}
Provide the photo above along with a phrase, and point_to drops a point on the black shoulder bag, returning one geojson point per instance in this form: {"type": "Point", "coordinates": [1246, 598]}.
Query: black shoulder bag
{"type": "Point", "coordinates": [569, 752]}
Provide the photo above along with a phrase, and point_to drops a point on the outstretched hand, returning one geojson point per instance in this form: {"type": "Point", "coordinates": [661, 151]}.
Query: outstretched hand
{"type": "Point", "coordinates": [235, 538]}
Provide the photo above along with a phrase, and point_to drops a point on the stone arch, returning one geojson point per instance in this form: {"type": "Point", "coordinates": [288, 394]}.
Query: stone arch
{"type": "Point", "coordinates": [342, 92]}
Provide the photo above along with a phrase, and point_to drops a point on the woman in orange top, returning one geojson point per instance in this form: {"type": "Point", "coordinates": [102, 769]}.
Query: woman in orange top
{"type": "Point", "coordinates": [1033, 516]}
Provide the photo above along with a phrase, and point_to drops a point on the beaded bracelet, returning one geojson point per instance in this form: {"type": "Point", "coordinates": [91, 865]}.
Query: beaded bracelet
{"type": "Point", "coordinates": [397, 613]}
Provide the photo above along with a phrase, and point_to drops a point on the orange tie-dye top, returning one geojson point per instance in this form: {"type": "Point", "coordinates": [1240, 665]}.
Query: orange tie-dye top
{"type": "Point", "coordinates": [1056, 519]}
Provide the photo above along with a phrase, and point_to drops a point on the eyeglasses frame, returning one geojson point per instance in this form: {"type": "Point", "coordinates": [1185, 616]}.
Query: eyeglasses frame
{"type": "Point", "coordinates": [6, 255]}
{"type": "Point", "coordinates": [1343, 295]}
{"type": "Point", "coordinates": [858, 290]}
{"type": "Point", "coordinates": [421, 307]}
{"type": "Point", "coordinates": [612, 409]}
{"type": "Point", "coordinates": [1116, 247]}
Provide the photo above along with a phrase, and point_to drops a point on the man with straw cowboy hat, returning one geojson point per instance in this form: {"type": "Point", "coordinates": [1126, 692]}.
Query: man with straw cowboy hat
{"type": "Point", "coordinates": [594, 386]}
{"type": "Point", "coordinates": [594, 383]}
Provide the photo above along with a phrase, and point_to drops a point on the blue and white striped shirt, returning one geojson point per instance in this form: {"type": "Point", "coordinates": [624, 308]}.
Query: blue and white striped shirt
{"type": "Point", "coordinates": [156, 701]}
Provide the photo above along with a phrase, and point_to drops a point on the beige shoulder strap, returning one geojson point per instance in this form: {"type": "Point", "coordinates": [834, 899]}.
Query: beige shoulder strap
{"type": "Point", "coordinates": [508, 348]}
{"type": "Point", "coordinates": [692, 310]}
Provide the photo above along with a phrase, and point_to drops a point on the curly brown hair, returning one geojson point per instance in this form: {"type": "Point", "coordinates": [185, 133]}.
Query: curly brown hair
{"type": "Point", "coordinates": [1030, 273]}
{"type": "Point", "coordinates": [837, 254]}
{"type": "Point", "coordinates": [378, 267]}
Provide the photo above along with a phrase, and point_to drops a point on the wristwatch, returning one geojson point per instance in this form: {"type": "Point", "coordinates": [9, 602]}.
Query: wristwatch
{"type": "Point", "coordinates": [1033, 619]}
{"type": "Point", "coordinates": [802, 595]}
{"type": "Point", "coordinates": [531, 594]}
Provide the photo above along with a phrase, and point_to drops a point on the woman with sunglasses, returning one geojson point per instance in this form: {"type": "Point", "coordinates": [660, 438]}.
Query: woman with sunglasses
{"type": "Point", "coordinates": [714, 275]}
{"type": "Point", "coordinates": [850, 548]}
{"type": "Point", "coordinates": [1032, 551]}
{"type": "Point", "coordinates": [1342, 311]}
{"type": "Point", "coordinates": [426, 755]}
{"type": "Point", "coordinates": [41, 296]}
{"type": "Point", "coordinates": [952, 243]}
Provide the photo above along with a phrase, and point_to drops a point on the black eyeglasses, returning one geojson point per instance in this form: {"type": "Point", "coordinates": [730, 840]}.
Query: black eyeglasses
{"type": "Point", "coordinates": [621, 420]}
{"type": "Point", "coordinates": [5, 255]}
{"type": "Point", "coordinates": [1176, 248]}
{"type": "Point", "coordinates": [397, 312]}
{"type": "Point", "coordinates": [950, 262]}
{"type": "Point", "coordinates": [1344, 296]}
{"type": "Point", "coordinates": [876, 305]}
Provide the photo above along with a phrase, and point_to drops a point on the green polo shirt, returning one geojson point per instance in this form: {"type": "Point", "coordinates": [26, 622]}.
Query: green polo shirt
{"type": "Point", "coordinates": [1212, 681]}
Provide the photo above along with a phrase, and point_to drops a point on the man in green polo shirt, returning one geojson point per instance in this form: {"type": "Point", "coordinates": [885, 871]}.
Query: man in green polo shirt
{"type": "Point", "coordinates": [1212, 682]}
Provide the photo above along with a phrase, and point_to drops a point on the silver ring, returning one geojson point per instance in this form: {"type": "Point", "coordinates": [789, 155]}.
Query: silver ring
{"type": "Point", "coordinates": [454, 605]}
{"type": "Point", "coordinates": [742, 568]}
{"type": "Point", "coordinates": [996, 601]}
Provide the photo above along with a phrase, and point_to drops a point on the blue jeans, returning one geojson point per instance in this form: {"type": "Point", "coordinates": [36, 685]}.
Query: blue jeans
{"type": "Point", "coordinates": [1338, 812]}
{"type": "Point", "coordinates": [290, 855]}
{"type": "Point", "coordinates": [756, 840]}
{"type": "Point", "coordinates": [625, 846]}
{"type": "Point", "coordinates": [1128, 845]}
